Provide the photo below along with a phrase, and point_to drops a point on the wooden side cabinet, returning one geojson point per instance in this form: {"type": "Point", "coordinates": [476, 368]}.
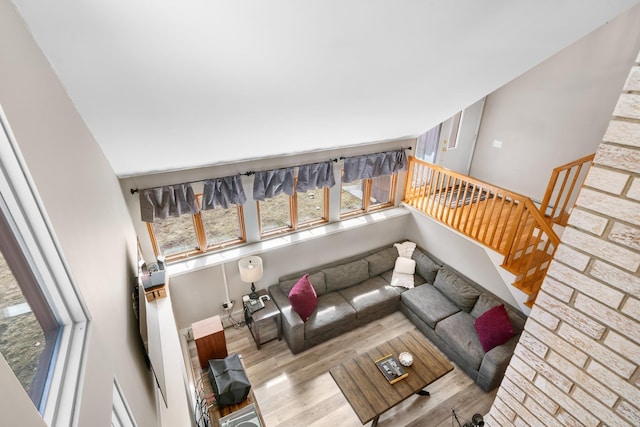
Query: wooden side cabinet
{"type": "Point", "coordinates": [210, 341]}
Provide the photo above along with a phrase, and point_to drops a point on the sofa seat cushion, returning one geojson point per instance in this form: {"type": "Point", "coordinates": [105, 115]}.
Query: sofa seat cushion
{"type": "Point", "coordinates": [417, 279]}
{"type": "Point", "coordinates": [346, 275]}
{"type": "Point", "coordinates": [456, 289]}
{"type": "Point", "coordinates": [332, 312]}
{"type": "Point", "coordinates": [371, 296]}
{"type": "Point", "coordinates": [459, 334]}
{"type": "Point", "coordinates": [429, 304]}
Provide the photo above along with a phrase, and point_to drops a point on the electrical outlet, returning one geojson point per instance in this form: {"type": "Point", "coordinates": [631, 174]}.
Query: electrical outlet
{"type": "Point", "coordinates": [227, 305]}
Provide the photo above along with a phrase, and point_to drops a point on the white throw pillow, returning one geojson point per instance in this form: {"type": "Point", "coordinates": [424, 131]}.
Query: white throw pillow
{"type": "Point", "coordinates": [405, 265]}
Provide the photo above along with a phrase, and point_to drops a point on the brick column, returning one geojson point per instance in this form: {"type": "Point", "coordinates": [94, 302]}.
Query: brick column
{"type": "Point", "coordinates": [577, 361]}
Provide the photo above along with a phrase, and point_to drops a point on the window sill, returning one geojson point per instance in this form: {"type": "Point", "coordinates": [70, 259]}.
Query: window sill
{"type": "Point", "coordinates": [233, 254]}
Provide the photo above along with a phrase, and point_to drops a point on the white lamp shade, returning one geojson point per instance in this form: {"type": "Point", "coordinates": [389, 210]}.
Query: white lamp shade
{"type": "Point", "coordinates": [250, 269]}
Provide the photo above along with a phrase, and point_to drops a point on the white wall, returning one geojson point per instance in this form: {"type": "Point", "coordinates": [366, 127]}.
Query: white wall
{"type": "Point", "coordinates": [84, 203]}
{"type": "Point", "coordinates": [459, 252]}
{"type": "Point", "coordinates": [558, 111]}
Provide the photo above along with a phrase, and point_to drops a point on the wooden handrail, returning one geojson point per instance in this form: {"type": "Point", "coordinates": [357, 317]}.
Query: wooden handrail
{"type": "Point", "coordinates": [440, 193]}
{"type": "Point", "coordinates": [502, 220]}
{"type": "Point", "coordinates": [572, 175]}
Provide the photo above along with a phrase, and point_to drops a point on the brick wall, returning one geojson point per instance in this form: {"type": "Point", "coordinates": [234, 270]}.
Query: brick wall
{"type": "Point", "coordinates": [577, 363]}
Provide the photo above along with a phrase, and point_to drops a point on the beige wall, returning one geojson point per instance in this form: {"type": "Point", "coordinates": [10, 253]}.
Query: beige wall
{"type": "Point", "coordinates": [84, 203]}
{"type": "Point", "coordinates": [558, 111]}
{"type": "Point", "coordinates": [578, 360]}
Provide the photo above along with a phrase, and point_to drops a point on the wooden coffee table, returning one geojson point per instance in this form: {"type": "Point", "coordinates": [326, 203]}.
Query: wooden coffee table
{"type": "Point", "coordinates": [370, 394]}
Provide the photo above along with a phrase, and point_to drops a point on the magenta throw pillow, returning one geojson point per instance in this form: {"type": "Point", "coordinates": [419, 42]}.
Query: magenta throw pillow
{"type": "Point", "coordinates": [303, 297]}
{"type": "Point", "coordinates": [493, 327]}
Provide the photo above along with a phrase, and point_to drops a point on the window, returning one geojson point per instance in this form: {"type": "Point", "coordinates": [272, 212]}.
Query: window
{"type": "Point", "coordinates": [365, 195]}
{"type": "Point", "coordinates": [189, 235]}
{"type": "Point", "coordinates": [381, 191]}
{"type": "Point", "coordinates": [37, 295]}
{"type": "Point", "coordinates": [455, 129]}
{"type": "Point", "coordinates": [175, 235]}
{"type": "Point", "coordinates": [275, 214]}
{"type": "Point", "coordinates": [223, 226]}
{"type": "Point", "coordinates": [283, 213]}
{"type": "Point", "coordinates": [27, 337]}
{"type": "Point", "coordinates": [352, 197]}
{"type": "Point", "coordinates": [312, 207]}
{"type": "Point", "coordinates": [186, 235]}
{"type": "Point", "coordinates": [427, 144]}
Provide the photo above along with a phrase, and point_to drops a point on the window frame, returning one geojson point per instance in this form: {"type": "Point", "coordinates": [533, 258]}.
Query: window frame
{"type": "Point", "coordinates": [313, 222]}
{"type": "Point", "coordinates": [22, 271]}
{"type": "Point", "coordinates": [454, 131]}
{"type": "Point", "coordinates": [367, 207]}
{"type": "Point", "coordinates": [201, 236]}
{"type": "Point", "coordinates": [293, 215]}
{"type": "Point", "coordinates": [25, 213]}
{"type": "Point", "coordinates": [281, 230]}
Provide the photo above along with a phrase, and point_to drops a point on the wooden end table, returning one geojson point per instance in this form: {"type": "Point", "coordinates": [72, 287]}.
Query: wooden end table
{"type": "Point", "coordinates": [259, 319]}
{"type": "Point", "coordinates": [367, 390]}
{"type": "Point", "coordinates": [210, 340]}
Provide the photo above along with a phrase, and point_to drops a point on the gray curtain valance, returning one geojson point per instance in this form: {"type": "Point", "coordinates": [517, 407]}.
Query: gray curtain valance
{"type": "Point", "coordinates": [223, 192]}
{"type": "Point", "coordinates": [373, 165]}
{"type": "Point", "coordinates": [170, 200]}
{"type": "Point", "coordinates": [267, 184]}
{"type": "Point", "coordinates": [315, 175]}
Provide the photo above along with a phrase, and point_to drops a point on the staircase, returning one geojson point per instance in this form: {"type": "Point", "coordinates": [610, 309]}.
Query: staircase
{"type": "Point", "coordinates": [507, 222]}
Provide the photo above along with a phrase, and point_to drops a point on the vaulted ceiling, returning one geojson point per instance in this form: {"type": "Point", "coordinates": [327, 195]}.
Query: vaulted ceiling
{"type": "Point", "coordinates": [169, 85]}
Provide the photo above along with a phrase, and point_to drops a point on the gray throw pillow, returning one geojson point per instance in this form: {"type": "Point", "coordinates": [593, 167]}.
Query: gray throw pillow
{"type": "Point", "coordinates": [458, 290]}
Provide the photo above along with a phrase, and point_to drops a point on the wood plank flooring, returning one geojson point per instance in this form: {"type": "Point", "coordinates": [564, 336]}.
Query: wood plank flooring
{"type": "Point", "coordinates": [297, 390]}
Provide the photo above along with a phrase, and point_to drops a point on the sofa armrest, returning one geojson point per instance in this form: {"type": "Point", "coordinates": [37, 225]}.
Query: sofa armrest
{"type": "Point", "coordinates": [494, 364]}
{"type": "Point", "coordinates": [292, 324]}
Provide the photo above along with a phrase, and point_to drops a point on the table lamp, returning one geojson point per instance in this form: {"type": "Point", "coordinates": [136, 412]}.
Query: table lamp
{"type": "Point", "coordinates": [251, 272]}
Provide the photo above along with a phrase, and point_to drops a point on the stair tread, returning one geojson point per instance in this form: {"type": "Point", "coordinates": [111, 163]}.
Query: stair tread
{"type": "Point", "coordinates": [532, 283]}
{"type": "Point", "coordinates": [519, 265]}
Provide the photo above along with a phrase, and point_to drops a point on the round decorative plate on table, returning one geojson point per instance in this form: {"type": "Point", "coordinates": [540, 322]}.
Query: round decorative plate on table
{"type": "Point", "coordinates": [405, 358]}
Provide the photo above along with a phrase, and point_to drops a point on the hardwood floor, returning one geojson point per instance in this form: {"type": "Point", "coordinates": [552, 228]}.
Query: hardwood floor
{"type": "Point", "coordinates": [297, 390]}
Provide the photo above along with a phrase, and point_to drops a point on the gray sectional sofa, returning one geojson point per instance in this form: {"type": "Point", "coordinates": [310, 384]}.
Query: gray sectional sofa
{"type": "Point", "coordinates": [351, 292]}
{"type": "Point", "coordinates": [445, 312]}
{"type": "Point", "coordinates": [443, 305]}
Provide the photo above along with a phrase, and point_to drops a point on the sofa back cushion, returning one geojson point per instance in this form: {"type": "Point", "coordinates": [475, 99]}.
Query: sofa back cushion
{"type": "Point", "coordinates": [316, 279]}
{"type": "Point", "coordinates": [382, 261]}
{"type": "Point", "coordinates": [458, 290]}
{"type": "Point", "coordinates": [485, 302]}
{"type": "Point", "coordinates": [346, 275]}
{"type": "Point", "coordinates": [425, 266]}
